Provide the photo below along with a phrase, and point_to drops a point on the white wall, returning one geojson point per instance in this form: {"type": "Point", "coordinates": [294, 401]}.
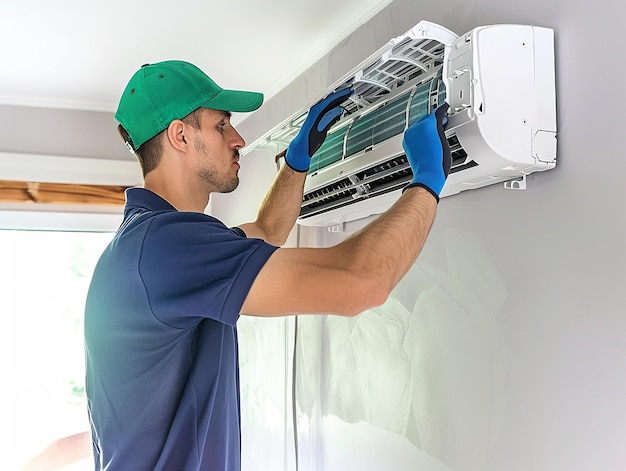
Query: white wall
{"type": "Point", "coordinates": [508, 334]}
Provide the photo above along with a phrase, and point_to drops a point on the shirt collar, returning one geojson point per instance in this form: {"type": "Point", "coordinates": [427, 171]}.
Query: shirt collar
{"type": "Point", "coordinates": [142, 198]}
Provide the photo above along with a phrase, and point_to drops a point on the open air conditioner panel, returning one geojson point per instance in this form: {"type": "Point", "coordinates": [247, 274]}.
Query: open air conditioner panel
{"type": "Point", "coordinates": [405, 61]}
{"type": "Point", "coordinates": [411, 60]}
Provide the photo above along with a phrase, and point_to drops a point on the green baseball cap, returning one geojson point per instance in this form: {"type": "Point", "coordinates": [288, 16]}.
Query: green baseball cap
{"type": "Point", "coordinates": [160, 93]}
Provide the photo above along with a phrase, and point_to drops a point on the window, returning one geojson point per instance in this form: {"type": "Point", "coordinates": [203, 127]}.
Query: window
{"type": "Point", "coordinates": [44, 277]}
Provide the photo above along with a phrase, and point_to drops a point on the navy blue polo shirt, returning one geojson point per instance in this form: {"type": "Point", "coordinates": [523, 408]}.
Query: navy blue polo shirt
{"type": "Point", "coordinates": [161, 341]}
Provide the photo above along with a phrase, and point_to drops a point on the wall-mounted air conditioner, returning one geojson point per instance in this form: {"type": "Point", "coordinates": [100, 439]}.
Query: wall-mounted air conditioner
{"type": "Point", "coordinates": [500, 85]}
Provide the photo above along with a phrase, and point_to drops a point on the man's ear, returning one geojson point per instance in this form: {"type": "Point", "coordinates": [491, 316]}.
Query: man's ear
{"type": "Point", "coordinates": [175, 134]}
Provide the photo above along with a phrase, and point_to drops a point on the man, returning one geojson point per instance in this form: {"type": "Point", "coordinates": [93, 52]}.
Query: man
{"type": "Point", "coordinates": [161, 312]}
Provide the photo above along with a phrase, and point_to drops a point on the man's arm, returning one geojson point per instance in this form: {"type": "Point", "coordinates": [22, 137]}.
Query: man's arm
{"type": "Point", "coordinates": [352, 276]}
{"type": "Point", "coordinates": [281, 206]}
{"type": "Point", "coordinates": [360, 272]}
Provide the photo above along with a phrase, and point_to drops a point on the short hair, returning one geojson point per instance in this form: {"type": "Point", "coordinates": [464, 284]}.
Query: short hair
{"type": "Point", "coordinates": [149, 153]}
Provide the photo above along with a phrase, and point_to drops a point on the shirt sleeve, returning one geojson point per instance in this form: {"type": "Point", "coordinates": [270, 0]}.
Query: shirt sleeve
{"type": "Point", "coordinates": [194, 267]}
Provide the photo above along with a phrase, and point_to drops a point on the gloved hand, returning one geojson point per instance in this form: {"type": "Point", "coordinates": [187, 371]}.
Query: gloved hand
{"type": "Point", "coordinates": [311, 136]}
{"type": "Point", "coordinates": [428, 152]}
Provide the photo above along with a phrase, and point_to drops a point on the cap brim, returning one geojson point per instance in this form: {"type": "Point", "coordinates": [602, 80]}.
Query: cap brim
{"type": "Point", "coordinates": [235, 100]}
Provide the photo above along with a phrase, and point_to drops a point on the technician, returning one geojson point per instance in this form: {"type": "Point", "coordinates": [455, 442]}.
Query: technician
{"type": "Point", "coordinates": [162, 308]}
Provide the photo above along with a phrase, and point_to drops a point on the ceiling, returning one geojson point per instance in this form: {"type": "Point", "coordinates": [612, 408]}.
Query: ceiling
{"type": "Point", "coordinates": [73, 54]}
{"type": "Point", "coordinates": [64, 64]}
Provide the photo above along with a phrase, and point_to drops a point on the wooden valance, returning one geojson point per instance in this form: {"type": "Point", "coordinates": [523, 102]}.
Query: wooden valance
{"type": "Point", "coordinates": [61, 193]}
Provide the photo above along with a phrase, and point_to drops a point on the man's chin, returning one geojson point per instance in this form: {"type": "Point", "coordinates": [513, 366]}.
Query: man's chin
{"type": "Point", "coordinates": [230, 188]}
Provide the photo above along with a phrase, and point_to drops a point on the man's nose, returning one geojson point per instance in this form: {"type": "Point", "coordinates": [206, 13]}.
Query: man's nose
{"type": "Point", "coordinates": [237, 142]}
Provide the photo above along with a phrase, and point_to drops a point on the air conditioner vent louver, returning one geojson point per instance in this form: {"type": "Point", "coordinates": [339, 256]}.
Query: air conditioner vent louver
{"type": "Point", "coordinates": [499, 82]}
{"type": "Point", "coordinates": [459, 156]}
{"type": "Point", "coordinates": [384, 177]}
{"type": "Point", "coordinates": [392, 174]}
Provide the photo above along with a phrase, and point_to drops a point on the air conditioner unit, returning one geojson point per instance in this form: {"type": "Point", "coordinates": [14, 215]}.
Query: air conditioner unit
{"type": "Point", "coordinates": [500, 85]}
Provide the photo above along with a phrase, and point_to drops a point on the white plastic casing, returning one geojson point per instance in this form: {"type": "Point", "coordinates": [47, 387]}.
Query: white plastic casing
{"type": "Point", "coordinates": [501, 90]}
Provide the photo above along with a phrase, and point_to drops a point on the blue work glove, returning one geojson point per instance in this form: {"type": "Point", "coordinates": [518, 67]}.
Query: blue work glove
{"type": "Point", "coordinates": [311, 136]}
{"type": "Point", "coordinates": [428, 152]}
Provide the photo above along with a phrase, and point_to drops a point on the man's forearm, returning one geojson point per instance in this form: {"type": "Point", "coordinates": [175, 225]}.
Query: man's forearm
{"type": "Point", "coordinates": [389, 246]}
{"type": "Point", "coordinates": [281, 206]}
{"type": "Point", "coordinates": [352, 276]}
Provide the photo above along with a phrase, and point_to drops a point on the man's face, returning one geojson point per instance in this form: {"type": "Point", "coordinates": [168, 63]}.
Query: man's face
{"type": "Point", "coordinates": [217, 144]}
